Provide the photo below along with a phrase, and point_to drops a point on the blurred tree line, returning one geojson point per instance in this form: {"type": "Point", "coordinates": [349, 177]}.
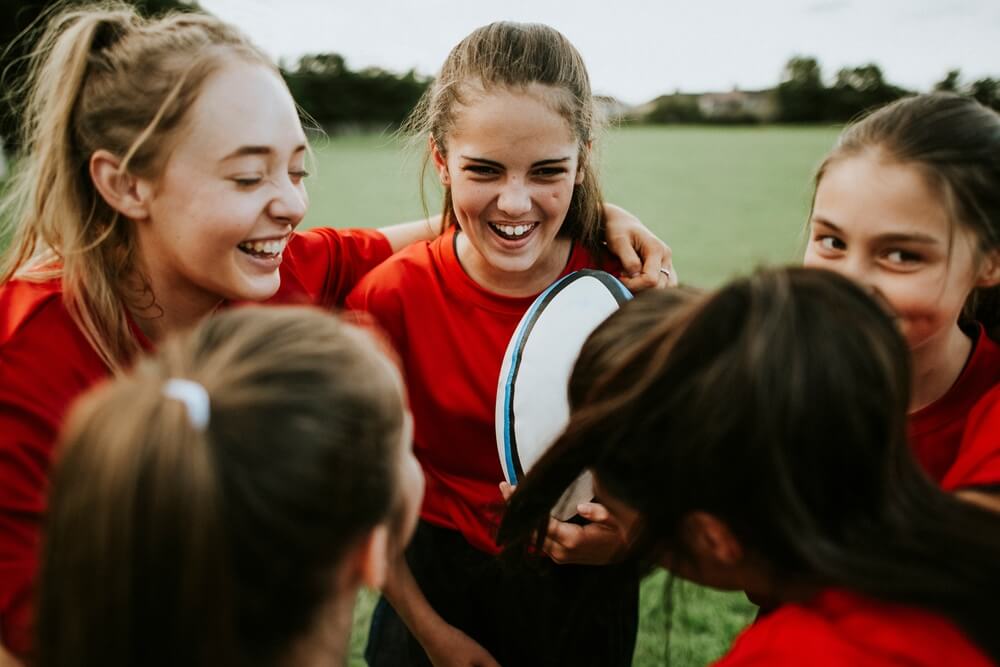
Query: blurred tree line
{"type": "Point", "coordinates": [336, 97]}
{"type": "Point", "coordinates": [803, 97]}
{"type": "Point", "coordinates": [325, 88]}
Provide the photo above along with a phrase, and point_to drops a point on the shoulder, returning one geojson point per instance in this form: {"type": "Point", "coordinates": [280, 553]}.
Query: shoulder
{"type": "Point", "coordinates": [28, 309]}
{"type": "Point", "coordinates": [324, 264]}
{"type": "Point", "coordinates": [791, 635]}
{"type": "Point", "coordinates": [45, 359]}
{"type": "Point", "coordinates": [38, 334]}
{"type": "Point", "coordinates": [840, 627]}
{"type": "Point", "coordinates": [339, 239]}
{"type": "Point", "coordinates": [582, 257]}
{"type": "Point", "coordinates": [409, 268]}
{"type": "Point", "coordinates": [978, 460]}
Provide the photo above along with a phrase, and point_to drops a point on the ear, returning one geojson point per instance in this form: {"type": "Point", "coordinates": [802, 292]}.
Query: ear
{"type": "Point", "coordinates": [440, 161]}
{"type": "Point", "coordinates": [127, 194]}
{"type": "Point", "coordinates": [989, 270]}
{"type": "Point", "coordinates": [710, 539]}
{"type": "Point", "coordinates": [372, 557]}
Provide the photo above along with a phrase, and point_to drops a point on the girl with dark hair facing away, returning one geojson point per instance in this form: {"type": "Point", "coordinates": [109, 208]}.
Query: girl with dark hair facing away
{"type": "Point", "coordinates": [908, 205]}
{"type": "Point", "coordinates": [222, 503]}
{"type": "Point", "coordinates": [510, 124]}
{"type": "Point", "coordinates": [745, 446]}
{"type": "Point", "coordinates": [163, 178]}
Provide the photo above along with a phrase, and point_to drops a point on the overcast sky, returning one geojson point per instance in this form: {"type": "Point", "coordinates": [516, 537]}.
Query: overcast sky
{"type": "Point", "coordinates": [637, 50]}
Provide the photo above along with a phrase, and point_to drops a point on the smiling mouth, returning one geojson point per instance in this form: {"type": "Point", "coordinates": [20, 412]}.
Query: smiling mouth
{"type": "Point", "coordinates": [268, 249]}
{"type": "Point", "coordinates": [513, 232]}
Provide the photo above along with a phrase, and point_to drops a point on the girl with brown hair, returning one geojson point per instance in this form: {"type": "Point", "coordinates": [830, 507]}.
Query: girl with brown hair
{"type": "Point", "coordinates": [908, 205]}
{"type": "Point", "coordinates": [510, 124]}
{"type": "Point", "coordinates": [754, 442]}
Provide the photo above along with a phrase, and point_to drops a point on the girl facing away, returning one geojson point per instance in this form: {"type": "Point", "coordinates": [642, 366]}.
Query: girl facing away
{"type": "Point", "coordinates": [510, 124]}
{"type": "Point", "coordinates": [908, 205]}
{"type": "Point", "coordinates": [744, 447]}
{"type": "Point", "coordinates": [162, 179]}
{"type": "Point", "coordinates": [222, 503]}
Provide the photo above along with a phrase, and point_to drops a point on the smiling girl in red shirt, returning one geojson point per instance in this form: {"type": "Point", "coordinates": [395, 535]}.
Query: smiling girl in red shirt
{"type": "Point", "coordinates": [510, 123]}
{"type": "Point", "coordinates": [908, 205]}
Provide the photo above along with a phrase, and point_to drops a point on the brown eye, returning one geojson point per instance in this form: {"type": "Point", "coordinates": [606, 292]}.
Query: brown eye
{"type": "Point", "coordinates": [831, 243]}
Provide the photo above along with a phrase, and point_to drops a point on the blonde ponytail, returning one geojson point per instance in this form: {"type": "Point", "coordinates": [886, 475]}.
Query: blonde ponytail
{"type": "Point", "coordinates": [102, 78]}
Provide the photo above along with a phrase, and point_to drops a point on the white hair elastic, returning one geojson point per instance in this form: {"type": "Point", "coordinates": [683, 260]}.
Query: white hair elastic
{"type": "Point", "coordinates": [193, 396]}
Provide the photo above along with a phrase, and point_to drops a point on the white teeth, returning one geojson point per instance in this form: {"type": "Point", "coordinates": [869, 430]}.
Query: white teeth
{"type": "Point", "coordinates": [273, 247]}
{"type": "Point", "coordinates": [514, 230]}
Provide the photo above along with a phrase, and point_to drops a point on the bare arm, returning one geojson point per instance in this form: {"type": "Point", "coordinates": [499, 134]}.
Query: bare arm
{"type": "Point", "coordinates": [446, 645]}
{"type": "Point", "coordinates": [405, 233]}
{"type": "Point", "coordinates": [7, 660]}
{"type": "Point", "coordinates": [640, 252]}
{"type": "Point", "coordinates": [984, 499]}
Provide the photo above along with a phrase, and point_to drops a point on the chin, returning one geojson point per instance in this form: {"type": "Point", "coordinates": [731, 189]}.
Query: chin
{"type": "Point", "coordinates": [257, 290]}
{"type": "Point", "coordinates": [514, 264]}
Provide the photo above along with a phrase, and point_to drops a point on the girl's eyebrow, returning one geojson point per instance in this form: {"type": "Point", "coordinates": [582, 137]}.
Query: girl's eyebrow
{"type": "Point", "coordinates": [243, 151]}
{"type": "Point", "coordinates": [542, 163]}
{"type": "Point", "coordinates": [493, 163]}
{"type": "Point", "coordinates": [890, 237]}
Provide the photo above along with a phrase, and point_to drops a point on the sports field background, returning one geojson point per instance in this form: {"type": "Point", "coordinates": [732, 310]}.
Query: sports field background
{"type": "Point", "coordinates": [725, 199]}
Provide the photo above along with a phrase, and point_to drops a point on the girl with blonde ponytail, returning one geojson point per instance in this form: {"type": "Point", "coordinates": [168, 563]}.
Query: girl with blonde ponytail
{"type": "Point", "coordinates": [222, 503]}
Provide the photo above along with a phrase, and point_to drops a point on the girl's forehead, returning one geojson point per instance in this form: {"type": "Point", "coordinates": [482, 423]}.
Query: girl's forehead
{"type": "Point", "coordinates": [881, 193]}
{"type": "Point", "coordinates": [243, 104]}
{"type": "Point", "coordinates": [501, 117]}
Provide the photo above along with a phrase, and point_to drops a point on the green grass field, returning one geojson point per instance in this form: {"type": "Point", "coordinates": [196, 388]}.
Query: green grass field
{"type": "Point", "coordinates": [725, 199]}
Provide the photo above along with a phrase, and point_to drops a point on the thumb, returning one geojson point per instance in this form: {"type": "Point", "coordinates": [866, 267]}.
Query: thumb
{"type": "Point", "coordinates": [506, 490]}
{"type": "Point", "coordinates": [594, 512]}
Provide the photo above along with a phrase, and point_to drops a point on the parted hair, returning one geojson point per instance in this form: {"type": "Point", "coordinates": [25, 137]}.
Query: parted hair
{"type": "Point", "coordinates": [955, 143]}
{"type": "Point", "coordinates": [102, 77]}
{"type": "Point", "coordinates": [758, 405]}
{"type": "Point", "coordinates": [169, 544]}
{"type": "Point", "coordinates": [514, 56]}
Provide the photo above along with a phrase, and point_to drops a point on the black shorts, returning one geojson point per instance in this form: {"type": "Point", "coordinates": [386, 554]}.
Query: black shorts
{"type": "Point", "coordinates": [524, 615]}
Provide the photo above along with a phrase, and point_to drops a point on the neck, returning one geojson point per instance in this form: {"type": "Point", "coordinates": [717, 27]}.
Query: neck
{"type": "Point", "coordinates": [326, 641]}
{"type": "Point", "coordinates": [769, 589]}
{"type": "Point", "coordinates": [513, 283]}
{"type": "Point", "coordinates": [937, 365]}
{"type": "Point", "coordinates": [160, 304]}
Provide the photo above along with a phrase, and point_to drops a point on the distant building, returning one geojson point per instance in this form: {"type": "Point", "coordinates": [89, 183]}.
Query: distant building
{"type": "Point", "coordinates": [760, 106]}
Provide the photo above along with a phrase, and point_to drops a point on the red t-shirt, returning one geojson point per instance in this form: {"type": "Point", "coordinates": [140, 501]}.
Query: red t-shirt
{"type": "Point", "coordinates": [45, 363]}
{"type": "Point", "coordinates": [451, 335]}
{"type": "Point", "coordinates": [936, 429]}
{"type": "Point", "coordinates": [978, 463]}
{"type": "Point", "coordinates": [840, 628]}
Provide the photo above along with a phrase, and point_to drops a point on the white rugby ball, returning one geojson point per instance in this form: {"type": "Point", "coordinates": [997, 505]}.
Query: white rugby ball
{"type": "Point", "coordinates": [532, 406]}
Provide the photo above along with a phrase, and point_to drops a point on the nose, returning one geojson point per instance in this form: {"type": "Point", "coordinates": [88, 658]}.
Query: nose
{"type": "Point", "coordinates": [859, 269]}
{"type": "Point", "coordinates": [514, 199]}
{"type": "Point", "coordinates": [290, 202]}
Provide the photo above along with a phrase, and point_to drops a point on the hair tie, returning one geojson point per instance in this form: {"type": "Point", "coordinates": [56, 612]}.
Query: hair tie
{"type": "Point", "coordinates": [193, 396]}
